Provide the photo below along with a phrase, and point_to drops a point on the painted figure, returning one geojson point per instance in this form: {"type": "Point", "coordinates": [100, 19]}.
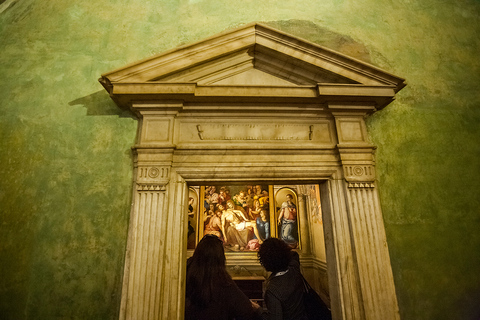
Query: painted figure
{"type": "Point", "coordinates": [255, 211]}
{"type": "Point", "coordinates": [236, 227]}
{"type": "Point", "coordinates": [287, 219]}
{"type": "Point", "coordinates": [263, 225]}
{"type": "Point", "coordinates": [223, 197]}
{"type": "Point", "coordinates": [214, 225]}
{"type": "Point", "coordinates": [263, 199]}
{"type": "Point", "coordinates": [213, 195]}
{"type": "Point", "coordinates": [191, 228]}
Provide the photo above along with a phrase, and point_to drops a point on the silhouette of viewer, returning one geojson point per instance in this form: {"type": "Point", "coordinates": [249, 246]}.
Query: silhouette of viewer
{"type": "Point", "coordinates": [211, 294]}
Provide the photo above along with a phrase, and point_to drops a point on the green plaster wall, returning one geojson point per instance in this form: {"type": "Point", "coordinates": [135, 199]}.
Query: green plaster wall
{"type": "Point", "coordinates": [66, 165]}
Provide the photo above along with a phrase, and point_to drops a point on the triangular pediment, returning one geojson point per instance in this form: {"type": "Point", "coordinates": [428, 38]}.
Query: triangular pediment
{"type": "Point", "coordinates": [254, 66]}
{"type": "Point", "coordinates": [251, 56]}
{"type": "Point", "coordinates": [255, 46]}
{"type": "Point", "coordinates": [251, 76]}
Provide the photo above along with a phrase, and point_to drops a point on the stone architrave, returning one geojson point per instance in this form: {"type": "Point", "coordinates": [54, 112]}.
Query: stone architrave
{"type": "Point", "coordinates": [254, 104]}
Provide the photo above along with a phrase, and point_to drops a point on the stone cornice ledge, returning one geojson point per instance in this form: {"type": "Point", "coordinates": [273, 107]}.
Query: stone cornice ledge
{"type": "Point", "coordinates": [325, 90]}
{"type": "Point", "coordinates": [126, 93]}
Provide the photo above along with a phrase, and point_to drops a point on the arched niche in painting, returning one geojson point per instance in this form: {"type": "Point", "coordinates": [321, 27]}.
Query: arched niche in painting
{"type": "Point", "coordinates": [255, 105]}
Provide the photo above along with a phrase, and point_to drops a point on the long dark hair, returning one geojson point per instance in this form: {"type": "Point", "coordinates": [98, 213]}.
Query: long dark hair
{"type": "Point", "coordinates": [206, 271]}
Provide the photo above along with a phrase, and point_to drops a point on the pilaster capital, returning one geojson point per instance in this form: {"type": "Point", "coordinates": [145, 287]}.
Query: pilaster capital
{"type": "Point", "coordinates": [359, 175]}
{"type": "Point", "coordinates": [361, 185]}
{"type": "Point", "coordinates": [152, 178]}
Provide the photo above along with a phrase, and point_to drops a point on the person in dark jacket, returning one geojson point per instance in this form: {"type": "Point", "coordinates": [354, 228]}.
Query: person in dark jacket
{"type": "Point", "coordinates": [211, 294]}
{"type": "Point", "coordinates": [284, 287]}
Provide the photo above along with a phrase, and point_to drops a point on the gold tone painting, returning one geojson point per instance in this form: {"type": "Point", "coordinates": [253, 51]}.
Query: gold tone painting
{"type": "Point", "coordinates": [239, 215]}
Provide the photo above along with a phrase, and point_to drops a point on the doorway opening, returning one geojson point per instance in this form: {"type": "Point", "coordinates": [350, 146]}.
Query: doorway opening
{"type": "Point", "coordinates": [242, 215]}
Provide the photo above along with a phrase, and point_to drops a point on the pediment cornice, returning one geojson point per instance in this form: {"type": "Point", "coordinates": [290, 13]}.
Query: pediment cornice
{"type": "Point", "coordinates": [251, 62]}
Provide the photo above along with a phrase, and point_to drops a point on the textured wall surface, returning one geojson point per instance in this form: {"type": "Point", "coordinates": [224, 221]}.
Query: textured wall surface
{"type": "Point", "coordinates": [66, 164]}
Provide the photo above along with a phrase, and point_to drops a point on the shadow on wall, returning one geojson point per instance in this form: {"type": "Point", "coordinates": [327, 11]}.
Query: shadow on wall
{"type": "Point", "coordinates": [100, 104]}
{"type": "Point", "coordinates": [324, 37]}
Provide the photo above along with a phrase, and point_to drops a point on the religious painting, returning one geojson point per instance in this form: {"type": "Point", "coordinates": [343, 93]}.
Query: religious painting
{"type": "Point", "coordinates": [192, 217]}
{"type": "Point", "coordinates": [287, 216]}
{"type": "Point", "coordinates": [237, 214]}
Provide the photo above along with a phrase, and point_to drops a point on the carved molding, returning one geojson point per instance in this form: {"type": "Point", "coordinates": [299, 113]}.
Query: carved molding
{"type": "Point", "coordinates": [361, 185]}
{"type": "Point", "coordinates": [152, 178]}
{"type": "Point", "coordinates": [255, 132]}
{"type": "Point", "coordinates": [359, 174]}
{"type": "Point", "coordinates": [151, 187]}
{"type": "Point", "coordinates": [200, 131]}
{"type": "Point", "coordinates": [246, 129]}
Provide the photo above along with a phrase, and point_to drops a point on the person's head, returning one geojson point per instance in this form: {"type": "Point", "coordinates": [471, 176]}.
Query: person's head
{"type": "Point", "coordinates": [289, 197]}
{"type": "Point", "coordinates": [274, 255]}
{"type": "Point", "coordinates": [210, 252]}
{"type": "Point", "coordinates": [231, 204]}
{"type": "Point", "coordinates": [220, 207]}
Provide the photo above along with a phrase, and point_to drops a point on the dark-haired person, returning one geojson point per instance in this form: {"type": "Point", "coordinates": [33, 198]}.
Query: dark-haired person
{"type": "Point", "coordinates": [210, 291]}
{"type": "Point", "coordinates": [284, 288]}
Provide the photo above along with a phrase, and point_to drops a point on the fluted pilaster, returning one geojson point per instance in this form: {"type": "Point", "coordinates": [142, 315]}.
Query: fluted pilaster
{"type": "Point", "coordinates": [371, 251]}
{"type": "Point", "coordinates": [343, 278]}
{"type": "Point", "coordinates": [152, 288]}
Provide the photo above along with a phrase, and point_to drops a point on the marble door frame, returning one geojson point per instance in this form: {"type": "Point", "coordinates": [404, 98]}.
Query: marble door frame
{"type": "Point", "coordinates": [254, 104]}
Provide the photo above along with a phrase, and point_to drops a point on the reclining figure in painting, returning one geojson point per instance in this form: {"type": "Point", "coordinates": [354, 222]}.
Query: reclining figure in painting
{"type": "Point", "coordinates": [236, 228]}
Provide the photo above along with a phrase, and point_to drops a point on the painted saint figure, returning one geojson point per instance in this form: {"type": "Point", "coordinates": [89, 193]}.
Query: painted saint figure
{"type": "Point", "coordinates": [214, 225]}
{"type": "Point", "coordinates": [263, 225]}
{"type": "Point", "coordinates": [191, 228]}
{"type": "Point", "coordinates": [287, 219]}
